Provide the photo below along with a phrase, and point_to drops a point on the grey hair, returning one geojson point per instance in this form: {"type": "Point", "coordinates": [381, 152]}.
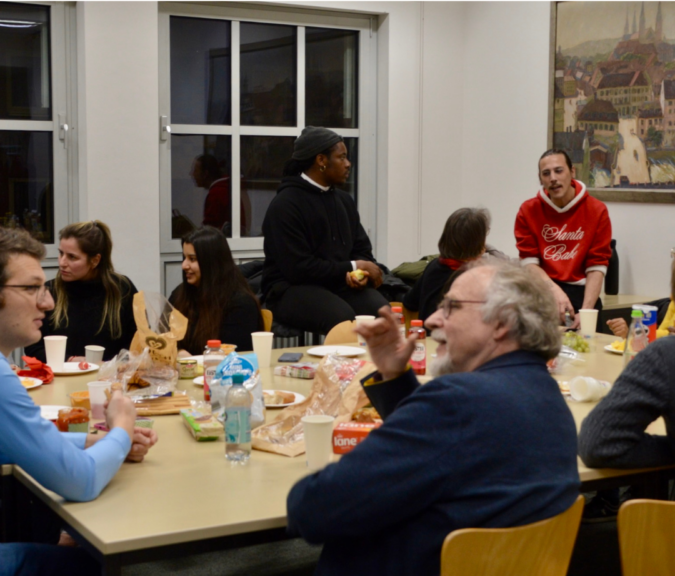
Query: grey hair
{"type": "Point", "coordinates": [519, 299]}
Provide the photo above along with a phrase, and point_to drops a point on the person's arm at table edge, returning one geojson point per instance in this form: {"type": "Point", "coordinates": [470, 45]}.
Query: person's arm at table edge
{"type": "Point", "coordinates": [613, 434]}
{"type": "Point", "coordinates": [386, 395]}
{"type": "Point", "coordinates": [592, 288]}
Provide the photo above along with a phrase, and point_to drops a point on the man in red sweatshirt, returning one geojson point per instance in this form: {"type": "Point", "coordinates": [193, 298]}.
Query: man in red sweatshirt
{"type": "Point", "coordinates": [563, 235]}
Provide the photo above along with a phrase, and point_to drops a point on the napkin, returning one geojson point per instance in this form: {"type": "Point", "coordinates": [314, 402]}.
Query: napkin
{"type": "Point", "coordinates": [37, 369]}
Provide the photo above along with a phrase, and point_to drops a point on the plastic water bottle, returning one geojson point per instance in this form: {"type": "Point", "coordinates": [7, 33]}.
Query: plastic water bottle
{"type": "Point", "coordinates": [418, 360]}
{"type": "Point", "coordinates": [213, 355]}
{"type": "Point", "coordinates": [638, 337]}
{"type": "Point", "coordinates": [238, 421]}
{"type": "Point", "coordinates": [398, 312]}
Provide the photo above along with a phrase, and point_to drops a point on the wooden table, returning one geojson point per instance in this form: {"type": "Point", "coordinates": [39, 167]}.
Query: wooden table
{"type": "Point", "coordinates": [186, 498]}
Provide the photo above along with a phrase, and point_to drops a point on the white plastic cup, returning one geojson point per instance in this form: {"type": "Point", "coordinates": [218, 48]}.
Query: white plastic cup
{"type": "Point", "coordinates": [262, 346]}
{"type": "Point", "coordinates": [318, 430]}
{"type": "Point", "coordinates": [587, 389]}
{"type": "Point", "coordinates": [55, 350]}
{"type": "Point", "coordinates": [97, 398]}
{"type": "Point", "coordinates": [361, 320]}
{"type": "Point", "coordinates": [94, 354]}
{"type": "Point", "coordinates": [589, 321]}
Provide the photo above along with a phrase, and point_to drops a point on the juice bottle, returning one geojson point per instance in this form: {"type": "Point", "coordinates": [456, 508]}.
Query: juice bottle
{"type": "Point", "coordinates": [418, 360]}
{"type": "Point", "coordinates": [213, 355]}
{"type": "Point", "coordinates": [398, 312]}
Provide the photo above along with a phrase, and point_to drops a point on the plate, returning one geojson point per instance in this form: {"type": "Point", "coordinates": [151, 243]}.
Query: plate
{"type": "Point", "coordinates": [199, 359]}
{"type": "Point", "coordinates": [72, 369]}
{"type": "Point", "coordinates": [199, 381]}
{"type": "Point", "coordinates": [613, 350]}
{"type": "Point", "coordinates": [298, 398]}
{"type": "Point", "coordinates": [51, 412]}
{"type": "Point", "coordinates": [34, 382]}
{"type": "Point", "coordinates": [339, 350]}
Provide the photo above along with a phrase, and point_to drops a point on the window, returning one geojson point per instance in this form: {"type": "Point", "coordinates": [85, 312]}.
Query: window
{"type": "Point", "coordinates": [237, 87]}
{"type": "Point", "coordinates": [34, 187]}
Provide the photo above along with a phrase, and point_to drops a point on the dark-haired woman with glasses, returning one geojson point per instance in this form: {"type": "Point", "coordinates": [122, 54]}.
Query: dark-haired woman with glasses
{"type": "Point", "coordinates": [214, 295]}
{"type": "Point", "coordinates": [93, 303]}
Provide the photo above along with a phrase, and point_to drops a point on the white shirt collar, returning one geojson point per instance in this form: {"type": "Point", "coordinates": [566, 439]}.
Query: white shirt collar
{"type": "Point", "coordinates": [324, 188]}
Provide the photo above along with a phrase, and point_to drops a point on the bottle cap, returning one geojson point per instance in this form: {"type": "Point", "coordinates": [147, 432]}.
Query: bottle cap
{"type": "Point", "coordinates": [636, 313]}
{"type": "Point", "coordinates": [213, 343]}
{"type": "Point", "coordinates": [396, 309]}
{"type": "Point", "coordinates": [237, 378]}
{"type": "Point", "coordinates": [417, 322]}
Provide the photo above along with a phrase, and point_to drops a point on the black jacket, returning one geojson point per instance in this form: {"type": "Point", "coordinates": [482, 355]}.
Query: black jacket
{"type": "Point", "coordinates": [311, 237]}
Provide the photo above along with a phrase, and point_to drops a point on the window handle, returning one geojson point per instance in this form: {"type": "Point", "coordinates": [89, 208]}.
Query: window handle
{"type": "Point", "coordinates": [63, 129]}
{"type": "Point", "coordinates": [164, 128]}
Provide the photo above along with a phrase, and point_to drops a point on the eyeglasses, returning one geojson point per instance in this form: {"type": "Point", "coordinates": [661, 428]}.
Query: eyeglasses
{"type": "Point", "coordinates": [37, 290]}
{"type": "Point", "coordinates": [447, 305]}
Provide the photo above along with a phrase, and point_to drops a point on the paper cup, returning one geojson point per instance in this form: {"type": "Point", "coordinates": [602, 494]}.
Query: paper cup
{"type": "Point", "coordinates": [586, 389]}
{"type": "Point", "coordinates": [262, 346]}
{"type": "Point", "coordinates": [318, 430]}
{"type": "Point", "coordinates": [94, 354]}
{"type": "Point", "coordinates": [97, 398]}
{"type": "Point", "coordinates": [361, 320]}
{"type": "Point", "coordinates": [55, 350]}
{"type": "Point", "coordinates": [589, 321]}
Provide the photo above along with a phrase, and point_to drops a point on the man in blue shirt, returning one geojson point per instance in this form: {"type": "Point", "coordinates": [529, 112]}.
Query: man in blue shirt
{"type": "Point", "coordinates": [488, 443]}
{"type": "Point", "coordinates": [75, 466]}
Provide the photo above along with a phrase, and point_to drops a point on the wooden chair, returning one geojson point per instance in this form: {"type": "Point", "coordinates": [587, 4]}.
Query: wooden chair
{"type": "Point", "coordinates": [342, 333]}
{"type": "Point", "coordinates": [267, 317]}
{"type": "Point", "coordinates": [540, 549]}
{"type": "Point", "coordinates": [646, 529]}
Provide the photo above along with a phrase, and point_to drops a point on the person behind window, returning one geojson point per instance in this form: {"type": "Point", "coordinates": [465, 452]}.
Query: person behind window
{"type": "Point", "coordinates": [463, 240]}
{"type": "Point", "coordinates": [94, 304]}
{"type": "Point", "coordinates": [214, 295]}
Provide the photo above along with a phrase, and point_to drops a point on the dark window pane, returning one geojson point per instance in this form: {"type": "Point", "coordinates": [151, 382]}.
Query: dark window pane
{"type": "Point", "coordinates": [26, 183]}
{"type": "Point", "coordinates": [25, 74]}
{"type": "Point", "coordinates": [350, 186]}
{"type": "Point", "coordinates": [268, 75]}
{"type": "Point", "coordinates": [200, 183]}
{"type": "Point", "coordinates": [262, 163]}
{"type": "Point", "coordinates": [331, 73]}
{"type": "Point", "coordinates": [200, 71]}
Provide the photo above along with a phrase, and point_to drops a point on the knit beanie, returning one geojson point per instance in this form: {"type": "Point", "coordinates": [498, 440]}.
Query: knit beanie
{"type": "Point", "coordinates": [312, 141]}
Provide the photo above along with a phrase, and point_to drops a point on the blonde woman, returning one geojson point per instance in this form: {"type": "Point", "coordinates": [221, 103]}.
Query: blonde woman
{"type": "Point", "coordinates": [93, 303]}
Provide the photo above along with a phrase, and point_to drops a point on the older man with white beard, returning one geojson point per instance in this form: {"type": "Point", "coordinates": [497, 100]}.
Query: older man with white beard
{"type": "Point", "coordinates": [489, 442]}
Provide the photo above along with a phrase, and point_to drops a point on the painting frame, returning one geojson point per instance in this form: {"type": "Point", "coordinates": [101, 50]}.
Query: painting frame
{"type": "Point", "coordinates": [646, 193]}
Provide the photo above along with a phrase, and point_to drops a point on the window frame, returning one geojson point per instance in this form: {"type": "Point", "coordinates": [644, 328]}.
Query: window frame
{"type": "Point", "coordinates": [248, 248]}
{"type": "Point", "coordinates": [63, 65]}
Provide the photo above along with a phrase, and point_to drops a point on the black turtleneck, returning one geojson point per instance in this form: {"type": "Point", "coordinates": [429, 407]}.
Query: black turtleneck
{"type": "Point", "coordinates": [85, 309]}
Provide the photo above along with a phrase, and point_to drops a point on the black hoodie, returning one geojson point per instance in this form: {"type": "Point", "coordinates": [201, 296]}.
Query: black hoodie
{"type": "Point", "coordinates": [311, 237]}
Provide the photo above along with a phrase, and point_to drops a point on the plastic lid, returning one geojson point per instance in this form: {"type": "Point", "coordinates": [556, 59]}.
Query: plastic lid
{"type": "Point", "coordinates": [237, 378]}
{"type": "Point", "coordinates": [417, 322]}
{"type": "Point", "coordinates": [635, 313]}
{"type": "Point", "coordinates": [396, 309]}
{"type": "Point", "coordinates": [213, 343]}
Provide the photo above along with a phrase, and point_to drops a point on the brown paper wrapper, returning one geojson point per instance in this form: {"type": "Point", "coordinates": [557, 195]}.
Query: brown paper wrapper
{"type": "Point", "coordinates": [163, 347]}
{"type": "Point", "coordinates": [336, 391]}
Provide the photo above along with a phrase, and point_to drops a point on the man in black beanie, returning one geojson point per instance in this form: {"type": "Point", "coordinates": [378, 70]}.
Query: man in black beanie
{"type": "Point", "coordinates": [314, 240]}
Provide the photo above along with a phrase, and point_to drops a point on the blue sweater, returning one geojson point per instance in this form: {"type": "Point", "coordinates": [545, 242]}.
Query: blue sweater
{"type": "Point", "coordinates": [491, 448]}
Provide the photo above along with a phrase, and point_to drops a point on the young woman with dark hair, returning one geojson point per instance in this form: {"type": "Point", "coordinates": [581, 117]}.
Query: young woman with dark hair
{"type": "Point", "coordinates": [93, 303]}
{"type": "Point", "coordinates": [214, 295]}
{"type": "Point", "coordinates": [463, 239]}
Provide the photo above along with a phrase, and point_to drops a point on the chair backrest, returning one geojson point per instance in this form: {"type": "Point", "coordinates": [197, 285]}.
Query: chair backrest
{"type": "Point", "coordinates": [267, 317]}
{"type": "Point", "coordinates": [646, 529]}
{"type": "Point", "coordinates": [543, 548]}
{"type": "Point", "coordinates": [342, 333]}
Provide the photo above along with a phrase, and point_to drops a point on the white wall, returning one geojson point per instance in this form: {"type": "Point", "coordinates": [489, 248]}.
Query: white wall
{"type": "Point", "coordinates": [118, 130]}
{"type": "Point", "coordinates": [462, 119]}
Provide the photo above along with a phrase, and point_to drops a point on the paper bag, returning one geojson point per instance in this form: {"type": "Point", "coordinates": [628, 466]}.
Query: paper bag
{"type": "Point", "coordinates": [159, 327]}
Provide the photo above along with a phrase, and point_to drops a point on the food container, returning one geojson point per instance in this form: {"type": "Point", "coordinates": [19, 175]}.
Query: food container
{"type": "Point", "coordinates": [73, 420]}
{"type": "Point", "coordinates": [80, 399]}
{"type": "Point", "coordinates": [347, 435]}
{"type": "Point", "coordinates": [228, 348]}
{"type": "Point", "coordinates": [187, 367]}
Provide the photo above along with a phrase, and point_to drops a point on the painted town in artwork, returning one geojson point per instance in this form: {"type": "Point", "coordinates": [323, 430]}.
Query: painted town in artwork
{"type": "Point", "coordinates": [614, 92]}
